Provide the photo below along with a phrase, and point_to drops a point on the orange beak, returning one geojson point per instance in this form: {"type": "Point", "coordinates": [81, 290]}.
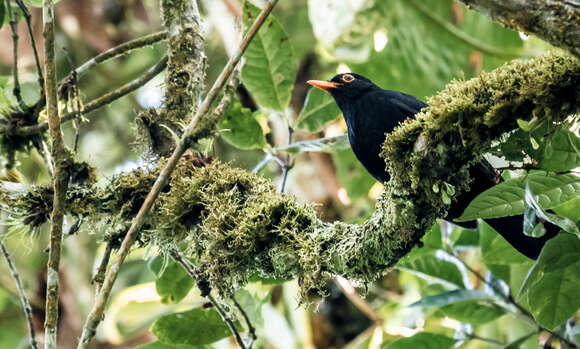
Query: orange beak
{"type": "Point", "coordinates": [324, 85]}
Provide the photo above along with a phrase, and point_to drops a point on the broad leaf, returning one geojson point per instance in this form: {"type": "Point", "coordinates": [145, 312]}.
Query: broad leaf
{"type": "Point", "coordinates": [562, 152]}
{"type": "Point", "coordinates": [433, 269]}
{"type": "Point", "coordinates": [495, 249]}
{"type": "Point", "coordinates": [324, 145]}
{"type": "Point", "coordinates": [474, 312]}
{"type": "Point", "coordinates": [508, 198]}
{"type": "Point", "coordinates": [319, 108]}
{"type": "Point", "coordinates": [172, 283]}
{"type": "Point", "coordinates": [193, 327]}
{"type": "Point", "coordinates": [423, 340]}
{"type": "Point", "coordinates": [551, 287]}
{"type": "Point", "coordinates": [269, 71]}
{"type": "Point", "coordinates": [239, 127]}
{"type": "Point", "coordinates": [450, 297]}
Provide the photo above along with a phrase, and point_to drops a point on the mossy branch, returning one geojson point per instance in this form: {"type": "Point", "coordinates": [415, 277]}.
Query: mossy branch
{"type": "Point", "coordinates": [556, 21]}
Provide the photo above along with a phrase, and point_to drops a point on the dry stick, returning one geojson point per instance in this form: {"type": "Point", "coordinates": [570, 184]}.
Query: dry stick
{"type": "Point", "coordinates": [13, 26]}
{"type": "Point", "coordinates": [94, 317]}
{"type": "Point", "coordinates": [100, 101]}
{"type": "Point", "coordinates": [122, 49]}
{"type": "Point", "coordinates": [191, 270]}
{"type": "Point", "coordinates": [100, 274]}
{"type": "Point", "coordinates": [510, 299]}
{"type": "Point", "coordinates": [60, 157]}
{"type": "Point", "coordinates": [23, 299]}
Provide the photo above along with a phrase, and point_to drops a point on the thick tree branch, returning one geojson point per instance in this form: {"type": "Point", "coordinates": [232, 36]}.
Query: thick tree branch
{"type": "Point", "coordinates": [60, 156]}
{"type": "Point", "coordinates": [556, 21]}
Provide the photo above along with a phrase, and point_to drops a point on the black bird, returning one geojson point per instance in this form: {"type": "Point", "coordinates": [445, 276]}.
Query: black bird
{"type": "Point", "coordinates": [370, 112]}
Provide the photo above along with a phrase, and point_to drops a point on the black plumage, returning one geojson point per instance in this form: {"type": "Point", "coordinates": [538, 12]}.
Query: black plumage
{"type": "Point", "coordinates": [370, 112]}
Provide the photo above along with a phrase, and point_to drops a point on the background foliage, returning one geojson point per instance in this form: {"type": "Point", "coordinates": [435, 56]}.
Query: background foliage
{"type": "Point", "coordinates": [459, 289]}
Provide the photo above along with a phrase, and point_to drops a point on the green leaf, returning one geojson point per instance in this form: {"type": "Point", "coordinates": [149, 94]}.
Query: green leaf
{"type": "Point", "coordinates": [269, 72]}
{"type": "Point", "coordinates": [319, 108]}
{"type": "Point", "coordinates": [239, 127]}
{"type": "Point", "coordinates": [531, 226]}
{"type": "Point", "coordinates": [569, 209]}
{"type": "Point", "coordinates": [518, 342]}
{"type": "Point", "coordinates": [37, 3]}
{"type": "Point", "coordinates": [5, 16]}
{"type": "Point", "coordinates": [551, 287]}
{"type": "Point", "coordinates": [423, 340]}
{"type": "Point", "coordinates": [495, 249]}
{"type": "Point", "coordinates": [193, 327]}
{"type": "Point", "coordinates": [451, 297]}
{"type": "Point", "coordinates": [474, 312]}
{"type": "Point", "coordinates": [161, 345]}
{"type": "Point", "coordinates": [433, 269]}
{"type": "Point", "coordinates": [322, 145]}
{"type": "Point", "coordinates": [561, 222]}
{"type": "Point", "coordinates": [508, 198]}
{"type": "Point", "coordinates": [172, 283]}
{"type": "Point", "coordinates": [561, 153]}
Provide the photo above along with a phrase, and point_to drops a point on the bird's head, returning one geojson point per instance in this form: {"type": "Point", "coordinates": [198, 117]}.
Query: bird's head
{"type": "Point", "coordinates": [345, 87]}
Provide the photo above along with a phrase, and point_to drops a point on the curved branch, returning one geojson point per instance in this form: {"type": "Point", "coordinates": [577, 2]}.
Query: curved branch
{"type": "Point", "coordinates": [556, 21]}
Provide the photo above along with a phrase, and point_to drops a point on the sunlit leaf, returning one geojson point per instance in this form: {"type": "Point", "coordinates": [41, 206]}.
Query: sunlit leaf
{"type": "Point", "coordinates": [324, 145]}
{"type": "Point", "coordinates": [270, 68]}
{"type": "Point", "coordinates": [561, 222]}
{"type": "Point", "coordinates": [474, 312]}
{"type": "Point", "coordinates": [434, 269]}
{"type": "Point", "coordinates": [319, 108]}
{"type": "Point", "coordinates": [507, 198]}
{"type": "Point", "coordinates": [551, 287]}
{"type": "Point", "coordinates": [239, 127]}
{"type": "Point", "coordinates": [423, 340]}
{"type": "Point", "coordinates": [193, 327]}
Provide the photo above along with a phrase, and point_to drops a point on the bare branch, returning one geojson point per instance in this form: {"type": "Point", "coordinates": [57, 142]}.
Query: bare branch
{"type": "Point", "coordinates": [60, 156]}
{"type": "Point", "coordinates": [14, 27]}
{"type": "Point", "coordinates": [21, 294]}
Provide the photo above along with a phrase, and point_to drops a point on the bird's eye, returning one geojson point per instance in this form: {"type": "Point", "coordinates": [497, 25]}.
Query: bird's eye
{"type": "Point", "coordinates": [347, 78]}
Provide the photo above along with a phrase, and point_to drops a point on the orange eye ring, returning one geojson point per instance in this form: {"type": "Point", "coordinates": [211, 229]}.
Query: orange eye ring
{"type": "Point", "coordinates": [347, 78]}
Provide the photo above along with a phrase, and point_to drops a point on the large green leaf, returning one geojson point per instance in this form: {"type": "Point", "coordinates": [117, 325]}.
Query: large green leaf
{"type": "Point", "coordinates": [551, 287]}
{"type": "Point", "coordinates": [474, 312]}
{"type": "Point", "coordinates": [450, 297]}
{"type": "Point", "coordinates": [239, 127]}
{"type": "Point", "coordinates": [269, 71]}
{"type": "Point", "coordinates": [193, 327]}
{"type": "Point", "coordinates": [319, 108]}
{"type": "Point", "coordinates": [495, 249]}
{"type": "Point", "coordinates": [508, 198]}
{"type": "Point", "coordinates": [172, 283]}
{"type": "Point", "coordinates": [562, 152]}
{"type": "Point", "coordinates": [434, 269]}
{"type": "Point", "coordinates": [562, 222]}
{"type": "Point", "coordinates": [423, 340]}
{"type": "Point", "coordinates": [324, 145]}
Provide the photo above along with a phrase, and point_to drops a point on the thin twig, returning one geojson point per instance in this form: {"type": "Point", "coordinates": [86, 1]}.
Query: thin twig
{"type": "Point", "coordinates": [510, 299]}
{"type": "Point", "coordinates": [349, 291]}
{"type": "Point", "coordinates": [191, 270]}
{"type": "Point", "coordinates": [122, 49]}
{"type": "Point", "coordinates": [23, 299]}
{"type": "Point", "coordinates": [99, 276]}
{"type": "Point", "coordinates": [60, 156]}
{"type": "Point", "coordinates": [483, 339]}
{"type": "Point", "coordinates": [287, 163]}
{"type": "Point", "coordinates": [94, 318]}
{"type": "Point", "coordinates": [14, 27]}
{"type": "Point", "coordinates": [48, 159]}
{"type": "Point", "coordinates": [98, 102]}
{"type": "Point", "coordinates": [248, 322]}
{"type": "Point", "coordinates": [28, 18]}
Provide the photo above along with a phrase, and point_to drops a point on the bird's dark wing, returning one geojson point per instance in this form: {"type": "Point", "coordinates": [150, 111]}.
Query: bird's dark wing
{"type": "Point", "coordinates": [407, 104]}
